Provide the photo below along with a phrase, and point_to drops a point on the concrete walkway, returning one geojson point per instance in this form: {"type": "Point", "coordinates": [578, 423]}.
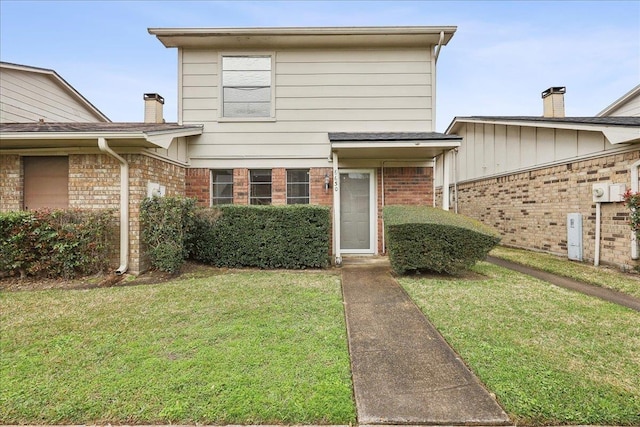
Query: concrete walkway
{"type": "Point", "coordinates": [565, 282]}
{"type": "Point", "coordinates": [403, 370]}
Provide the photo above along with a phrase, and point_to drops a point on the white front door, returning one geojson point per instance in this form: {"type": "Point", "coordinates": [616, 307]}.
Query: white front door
{"type": "Point", "coordinates": [357, 211]}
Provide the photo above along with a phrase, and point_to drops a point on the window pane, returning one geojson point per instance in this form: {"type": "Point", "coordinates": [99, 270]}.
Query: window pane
{"type": "Point", "coordinates": [222, 182]}
{"type": "Point", "coordinates": [244, 109]}
{"type": "Point", "coordinates": [246, 78]}
{"type": "Point", "coordinates": [247, 94]}
{"type": "Point", "coordinates": [298, 186]}
{"type": "Point", "coordinates": [260, 187]}
{"type": "Point", "coordinates": [246, 63]}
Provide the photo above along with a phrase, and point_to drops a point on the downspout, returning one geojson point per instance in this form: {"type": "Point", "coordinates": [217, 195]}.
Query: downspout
{"type": "Point", "coordinates": [634, 189]}
{"type": "Point", "coordinates": [382, 208]}
{"type": "Point", "coordinates": [596, 257]}
{"type": "Point", "coordinates": [439, 45]}
{"type": "Point", "coordinates": [124, 205]}
{"type": "Point", "coordinates": [336, 209]}
{"type": "Point", "coordinates": [455, 180]}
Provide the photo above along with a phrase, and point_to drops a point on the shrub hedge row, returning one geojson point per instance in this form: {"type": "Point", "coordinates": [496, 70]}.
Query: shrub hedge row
{"type": "Point", "coordinates": [292, 236]}
{"type": "Point", "coordinates": [55, 243]}
{"type": "Point", "coordinates": [424, 238]}
{"type": "Point", "coordinates": [167, 224]}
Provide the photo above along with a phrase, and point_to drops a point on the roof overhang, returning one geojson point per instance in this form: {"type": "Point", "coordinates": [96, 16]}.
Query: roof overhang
{"type": "Point", "coordinates": [87, 139]}
{"type": "Point", "coordinates": [615, 134]}
{"type": "Point", "coordinates": [392, 146]}
{"type": "Point", "coordinates": [299, 37]}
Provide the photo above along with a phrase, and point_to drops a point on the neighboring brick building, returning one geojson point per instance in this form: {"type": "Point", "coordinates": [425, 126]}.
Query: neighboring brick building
{"type": "Point", "coordinates": [523, 175]}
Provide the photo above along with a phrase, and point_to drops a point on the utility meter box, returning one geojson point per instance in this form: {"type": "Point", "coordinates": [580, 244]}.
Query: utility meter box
{"type": "Point", "coordinates": [600, 192]}
{"type": "Point", "coordinates": [616, 192]}
{"type": "Point", "coordinates": [574, 236]}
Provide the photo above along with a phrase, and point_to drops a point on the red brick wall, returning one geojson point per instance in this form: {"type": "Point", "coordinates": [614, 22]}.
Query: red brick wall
{"type": "Point", "coordinates": [278, 186]}
{"type": "Point", "coordinates": [403, 186]}
{"type": "Point", "coordinates": [198, 185]}
{"type": "Point", "coordinates": [241, 186]}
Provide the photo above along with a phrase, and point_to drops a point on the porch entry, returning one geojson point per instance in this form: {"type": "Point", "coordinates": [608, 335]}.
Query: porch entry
{"type": "Point", "coordinates": [357, 211]}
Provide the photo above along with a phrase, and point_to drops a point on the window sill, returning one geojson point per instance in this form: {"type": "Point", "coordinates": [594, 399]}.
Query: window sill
{"type": "Point", "coordinates": [245, 119]}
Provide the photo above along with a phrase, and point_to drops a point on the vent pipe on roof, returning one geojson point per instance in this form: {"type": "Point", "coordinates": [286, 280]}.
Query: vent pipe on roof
{"type": "Point", "coordinates": [153, 104]}
{"type": "Point", "coordinates": [553, 101]}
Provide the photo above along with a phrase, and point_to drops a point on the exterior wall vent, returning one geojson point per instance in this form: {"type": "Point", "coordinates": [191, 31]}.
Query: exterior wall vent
{"type": "Point", "coordinates": [553, 101]}
{"type": "Point", "coordinates": [153, 104]}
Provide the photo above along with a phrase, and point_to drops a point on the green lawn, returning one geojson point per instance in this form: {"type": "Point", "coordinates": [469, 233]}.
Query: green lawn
{"type": "Point", "coordinates": [600, 276]}
{"type": "Point", "coordinates": [250, 347]}
{"type": "Point", "coordinates": [551, 356]}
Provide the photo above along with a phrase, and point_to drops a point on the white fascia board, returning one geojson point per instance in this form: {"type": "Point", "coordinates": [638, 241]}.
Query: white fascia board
{"type": "Point", "coordinates": [620, 101]}
{"type": "Point", "coordinates": [165, 138]}
{"type": "Point", "coordinates": [446, 143]}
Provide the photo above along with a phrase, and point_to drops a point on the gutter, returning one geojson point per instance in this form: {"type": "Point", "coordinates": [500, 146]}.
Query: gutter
{"type": "Point", "coordinates": [124, 205]}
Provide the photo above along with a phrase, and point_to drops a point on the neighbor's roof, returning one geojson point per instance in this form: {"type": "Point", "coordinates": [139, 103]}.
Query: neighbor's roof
{"type": "Point", "coordinates": [621, 101]}
{"type": "Point", "coordinates": [61, 82]}
{"type": "Point", "coordinates": [50, 135]}
{"type": "Point", "coordinates": [392, 145]}
{"type": "Point", "coordinates": [271, 37]}
{"type": "Point", "coordinates": [617, 130]}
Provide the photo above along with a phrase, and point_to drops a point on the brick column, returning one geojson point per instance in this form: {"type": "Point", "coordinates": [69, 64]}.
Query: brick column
{"type": "Point", "coordinates": [198, 184]}
{"type": "Point", "coordinates": [11, 183]}
{"type": "Point", "coordinates": [241, 186]}
{"type": "Point", "coordinates": [278, 186]}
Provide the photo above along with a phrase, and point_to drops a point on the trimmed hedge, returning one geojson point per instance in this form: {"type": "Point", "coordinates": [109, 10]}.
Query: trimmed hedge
{"type": "Point", "coordinates": [292, 236]}
{"type": "Point", "coordinates": [55, 243]}
{"type": "Point", "coordinates": [425, 238]}
{"type": "Point", "coordinates": [167, 224]}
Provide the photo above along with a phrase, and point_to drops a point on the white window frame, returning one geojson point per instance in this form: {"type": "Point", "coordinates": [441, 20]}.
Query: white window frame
{"type": "Point", "coordinates": [250, 194]}
{"type": "Point", "coordinates": [286, 178]}
{"type": "Point", "coordinates": [212, 193]}
{"type": "Point", "coordinates": [272, 117]}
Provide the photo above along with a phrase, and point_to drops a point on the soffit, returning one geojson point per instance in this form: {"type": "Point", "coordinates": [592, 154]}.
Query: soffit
{"type": "Point", "coordinates": [329, 37]}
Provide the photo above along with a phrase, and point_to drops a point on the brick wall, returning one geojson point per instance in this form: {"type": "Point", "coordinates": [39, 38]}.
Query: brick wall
{"type": "Point", "coordinates": [241, 186]}
{"type": "Point", "coordinates": [403, 186]}
{"type": "Point", "coordinates": [278, 186]}
{"type": "Point", "coordinates": [11, 183]}
{"type": "Point", "coordinates": [198, 185]}
{"type": "Point", "coordinates": [530, 208]}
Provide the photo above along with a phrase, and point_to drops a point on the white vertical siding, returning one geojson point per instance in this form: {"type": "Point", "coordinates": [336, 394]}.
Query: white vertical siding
{"type": "Point", "coordinates": [316, 92]}
{"type": "Point", "coordinates": [31, 96]}
{"type": "Point", "coordinates": [489, 149]}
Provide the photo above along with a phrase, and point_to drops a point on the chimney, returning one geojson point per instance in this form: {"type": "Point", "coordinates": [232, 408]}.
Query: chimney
{"type": "Point", "coordinates": [553, 101]}
{"type": "Point", "coordinates": [153, 108]}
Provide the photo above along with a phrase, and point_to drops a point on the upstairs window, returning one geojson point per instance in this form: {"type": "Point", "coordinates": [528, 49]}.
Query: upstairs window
{"type": "Point", "coordinates": [297, 186]}
{"type": "Point", "coordinates": [260, 187]}
{"type": "Point", "coordinates": [222, 191]}
{"type": "Point", "coordinates": [246, 86]}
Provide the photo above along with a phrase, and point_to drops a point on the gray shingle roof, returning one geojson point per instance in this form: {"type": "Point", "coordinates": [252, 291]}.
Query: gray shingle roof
{"type": "Point", "coordinates": [389, 136]}
{"type": "Point", "coordinates": [606, 121]}
{"type": "Point", "coordinates": [93, 127]}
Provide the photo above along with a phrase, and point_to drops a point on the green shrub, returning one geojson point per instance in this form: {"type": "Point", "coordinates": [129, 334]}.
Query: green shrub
{"type": "Point", "coordinates": [167, 224]}
{"type": "Point", "coordinates": [293, 236]}
{"type": "Point", "coordinates": [55, 243]}
{"type": "Point", "coordinates": [424, 238]}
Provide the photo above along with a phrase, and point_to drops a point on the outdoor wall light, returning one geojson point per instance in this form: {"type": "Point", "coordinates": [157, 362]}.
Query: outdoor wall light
{"type": "Point", "coordinates": [327, 181]}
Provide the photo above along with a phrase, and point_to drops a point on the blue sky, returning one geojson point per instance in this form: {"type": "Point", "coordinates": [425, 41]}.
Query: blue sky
{"type": "Point", "coordinates": [504, 54]}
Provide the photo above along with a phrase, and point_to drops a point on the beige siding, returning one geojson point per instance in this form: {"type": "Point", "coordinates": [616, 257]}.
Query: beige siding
{"type": "Point", "coordinates": [489, 149]}
{"type": "Point", "coordinates": [629, 108]}
{"type": "Point", "coordinates": [31, 96]}
{"type": "Point", "coordinates": [316, 92]}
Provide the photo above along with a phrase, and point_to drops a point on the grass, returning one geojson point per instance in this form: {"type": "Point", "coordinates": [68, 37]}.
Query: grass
{"type": "Point", "coordinates": [244, 348]}
{"type": "Point", "coordinates": [599, 276]}
{"type": "Point", "coordinates": [550, 355]}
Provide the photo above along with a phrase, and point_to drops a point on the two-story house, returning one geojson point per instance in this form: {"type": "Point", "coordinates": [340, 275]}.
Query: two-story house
{"type": "Point", "coordinates": [342, 117]}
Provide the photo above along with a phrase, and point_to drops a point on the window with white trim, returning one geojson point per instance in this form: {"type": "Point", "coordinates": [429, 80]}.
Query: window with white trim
{"type": "Point", "coordinates": [222, 186]}
{"type": "Point", "coordinates": [297, 186]}
{"type": "Point", "coordinates": [260, 187]}
{"type": "Point", "coordinates": [246, 86]}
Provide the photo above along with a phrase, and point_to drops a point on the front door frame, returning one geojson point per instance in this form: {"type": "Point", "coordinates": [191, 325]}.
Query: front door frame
{"type": "Point", "coordinates": [373, 210]}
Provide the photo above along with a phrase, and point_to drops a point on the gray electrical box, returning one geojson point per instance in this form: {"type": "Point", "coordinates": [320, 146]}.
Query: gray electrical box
{"type": "Point", "coordinates": [574, 236]}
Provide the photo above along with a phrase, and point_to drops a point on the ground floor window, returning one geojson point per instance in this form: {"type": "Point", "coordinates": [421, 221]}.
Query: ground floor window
{"type": "Point", "coordinates": [46, 182]}
{"type": "Point", "coordinates": [297, 186]}
{"type": "Point", "coordinates": [260, 186]}
{"type": "Point", "coordinates": [222, 182]}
